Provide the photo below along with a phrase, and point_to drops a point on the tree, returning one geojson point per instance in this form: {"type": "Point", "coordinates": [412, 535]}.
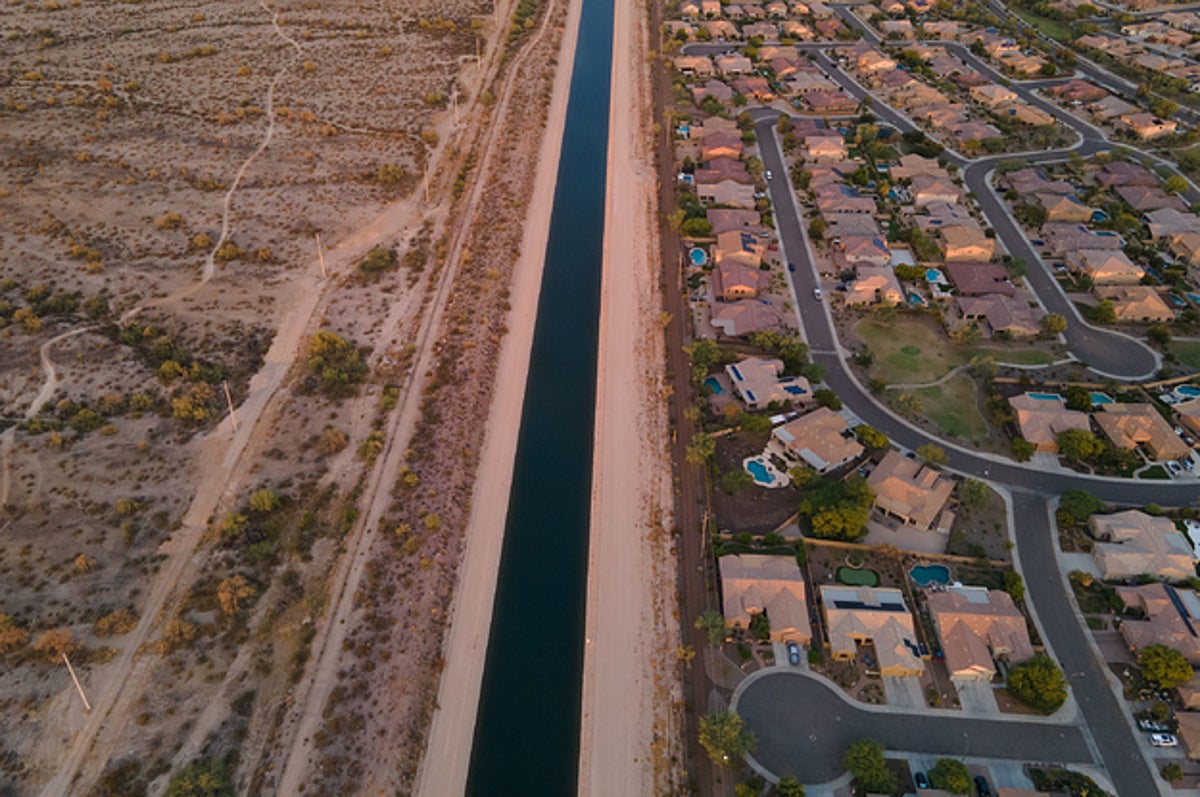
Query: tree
{"type": "Point", "coordinates": [865, 763]}
{"type": "Point", "coordinates": [788, 786]}
{"type": "Point", "coordinates": [950, 775]}
{"type": "Point", "coordinates": [380, 258]}
{"type": "Point", "coordinates": [264, 501]}
{"type": "Point", "coordinates": [725, 737]}
{"type": "Point", "coordinates": [1079, 445]}
{"type": "Point", "coordinates": [1014, 585]}
{"type": "Point", "coordinates": [1053, 324]}
{"type": "Point", "coordinates": [1172, 772]}
{"type": "Point", "coordinates": [973, 493]}
{"type": "Point", "coordinates": [735, 480]}
{"type": "Point", "coordinates": [696, 228]}
{"type": "Point", "coordinates": [208, 777]}
{"type": "Point", "coordinates": [231, 592]}
{"type": "Point", "coordinates": [701, 448]}
{"type": "Point", "coordinates": [712, 622]}
{"type": "Point", "coordinates": [932, 454]}
{"type": "Point", "coordinates": [838, 509]}
{"type": "Point", "coordinates": [1164, 666]}
{"type": "Point", "coordinates": [871, 437]}
{"type": "Point", "coordinates": [1078, 398]}
{"type": "Point", "coordinates": [1022, 449]}
{"type": "Point", "coordinates": [704, 354]}
{"type": "Point", "coordinates": [827, 398]}
{"type": "Point", "coordinates": [816, 229]}
{"type": "Point", "coordinates": [52, 644]}
{"type": "Point", "coordinates": [336, 363]}
{"type": "Point", "coordinates": [1038, 683]}
{"type": "Point", "coordinates": [1076, 506]}
{"type": "Point", "coordinates": [1159, 335]}
{"type": "Point", "coordinates": [909, 404]}
{"type": "Point", "coordinates": [1175, 184]}
{"type": "Point", "coordinates": [12, 636]}
{"type": "Point", "coordinates": [1105, 312]}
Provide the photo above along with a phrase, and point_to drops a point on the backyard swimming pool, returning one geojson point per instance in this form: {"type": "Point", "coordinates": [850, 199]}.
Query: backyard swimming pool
{"type": "Point", "coordinates": [714, 384]}
{"type": "Point", "coordinates": [1101, 398]}
{"type": "Point", "coordinates": [765, 474]}
{"type": "Point", "coordinates": [924, 575]}
{"type": "Point", "coordinates": [699, 257]}
{"type": "Point", "coordinates": [1188, 391]}
{"type": "Point", "coordinates": [1045, 396]}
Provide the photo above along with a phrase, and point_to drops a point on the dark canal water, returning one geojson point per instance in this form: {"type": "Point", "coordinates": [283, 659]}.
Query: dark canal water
{"type": "Point", "coordinates": [527, 731]}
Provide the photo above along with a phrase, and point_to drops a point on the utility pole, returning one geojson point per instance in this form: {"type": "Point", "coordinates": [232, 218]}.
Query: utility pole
{"type": "Point", "coordinates": [427, 180]}
{"type": "Point", "coordinates": [229, 400]}
{"type": "Point", "coordinates": [454, 99]}
{"type": "Point", "coordinates": [321, 256]}
{"type": "Point", "coordinates": [86, 705]}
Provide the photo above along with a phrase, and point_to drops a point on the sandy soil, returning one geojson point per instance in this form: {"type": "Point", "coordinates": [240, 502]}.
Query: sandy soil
{"type": "Point", "coordinates": [447, 756]}
{"type": "Point", "coordinates": [630, 729]}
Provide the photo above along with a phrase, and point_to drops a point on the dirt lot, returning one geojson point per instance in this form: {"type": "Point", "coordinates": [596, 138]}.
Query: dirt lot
{"type": "Point", "coordinates": [163, 177]}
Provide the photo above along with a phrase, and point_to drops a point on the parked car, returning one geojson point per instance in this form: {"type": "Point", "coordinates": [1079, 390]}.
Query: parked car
{"type": "Point", "coordinates": [791, 266]}
{"type": "Point", "coordinates": [920, 780]}
{"type": "Point", "coordinates": [1152, 725]}
{"type": "Point", "coordinates": [768, 174]}
{"type": "Point", "coordinates": [982, 789]}
{"type": "Point", "coordinates": [817, 293]}
{"type": "Point", "coordinates": [793, 651]}
{"type": "Point", "coordinates": [1174, 467]}
{"type": "Point", "coordinates": [1163, 740]}
{"type": "Point", "coordinates": [1038, 242]}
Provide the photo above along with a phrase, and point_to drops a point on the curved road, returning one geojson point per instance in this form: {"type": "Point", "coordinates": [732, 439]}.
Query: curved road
{"type": "Point", "coordinates": [810, 744]}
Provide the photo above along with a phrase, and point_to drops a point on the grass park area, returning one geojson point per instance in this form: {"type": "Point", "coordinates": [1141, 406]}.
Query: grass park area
{"type": "Point", "coordinates": [1055, 30]}
{"type": "Point", "coordinates": [1188, 352]}
{"type": "Point", "coordinates": [954, 407]}
{"type": "Point", "coordinates": [908, 351]}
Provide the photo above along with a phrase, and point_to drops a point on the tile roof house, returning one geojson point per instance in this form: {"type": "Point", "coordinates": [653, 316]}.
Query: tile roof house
{"type": "Point", "coordinates": [966, 244]}
{"type": "Point", "coordinates": [843, 199]}
{"type": "Point", "coordinates": [758, 383]}
{"type": "Point", "coordinates": [1065, 237]}
{"type": "Point", "coordinates": [992, 95]}
{"type": "Point", "coordinates": [1147, 126]}
{"type": "Point", "coordinates": [859, 614]}
{"type": "Point", "coordinates": [1064, 208]}
{"type": "Point", "coordinates": [818, 439]}
{"type": "Point", "coordinates": [874, 284]}
{"type": "Point", "coordinates": [874, 62]}
{"type": "Point", "coordinates": [1111, 107]}
{"type": "Point", "coordinates": [723, 168]}
{"type": "Point", "coordinates": [721, 145]}
{"type": "Point", "coordinates": [943, 214]}
{"type": "Point", "coordinates": [1077, 91]}
{"type": "Point", "coordinates": [1188, 413]}
{"type": "Point", "coordinates": [745, 317]}
{"type": "Point", "coordinates": [975, 626]}
{"type": "Point", "coordinates": [714, 88]}
{"type": "Point", "coordinates": [927, 189]}
{"type": "Point", "coordinates": [999, 314]}
{"type": "Point", "coordinates": [979, 279]}
{"type": "Point", "coordinates": [830, 101]}
{"type": "Point", "coordinates": [869, 249]}
{"type": "Point", "coordinates": [1167, 223]}
{"type": "Point", "coordinates": [726, 191]}
{"type": "Point", "coordinates": [1030, 180]}
{"type": "Point", "coordinates": [733, 280]}
{"type": "Point", "coordinates": [910, 491]}
{"type": "Point", "coordinates": [1041, 420]}
{"type": "Point", "coordinates": [1117, 173]}
{"type": "Point", "coordinates": [1186, 247]}
{"type": "Point", "coordinates": [1171, 619]}
{"type": "Point", "coordinates": [842, 225]}
{"type": "Point", "coordinates": [756, 583]}
{"type": "Point", "coordinates": [699, 65]}
{"type": "Point", "coordinates": [1188, 732]}
{"type": "Point", "coordinates": [1133, 425]}
{"type": "Point", "coordinates": [728, 219]}
{"type": "Point", "coordinates": [1146, 197]}
{"type": "Point", "coordinates": [912, 166]}
{"type": "Point", "coordinates": [1105, 267]}
{"type": "Point", "coordinates": [733, 64]}
{"type": "Point", "coordinates": [740, 246]}
{"type": "Point", "coordinates": [1135, 303]}
{"type": "Point", "coordinates": [1133, 543]}
{"type": "Point", "coordinates": [824, 149]}
{"type": "Point", "coordinates": [974, 131]}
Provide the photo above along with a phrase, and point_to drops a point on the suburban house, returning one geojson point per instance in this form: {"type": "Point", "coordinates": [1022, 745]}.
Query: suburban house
{"type": "Point", "coordinates": [1189, 694]}
{"type": "Point", "coordinates": [992, 95]}
{"type": "Point", "coordinates": [1111, 107]}
{"type": "Point", "coordinates": [927, 189]}
{"type": "Point", "coordinates": [721, 145]}
{"type": "Point", "coordinates": [999, 314]}
{"type": "Point", "coordinates": [975, 626]}
{"type": "Point", "coordinates": [824, 149]}
{"type": "Point", "coordinates": [758, 383]}
{"type": "Point", "coordinates": [1064, 208]}
{"type": "Point", "coordinates": [1171, 617]}
{"type": "Point", "coordinates": [1025, 114]}
{"type": "Point", "coordinates": [843, 225]}
{"type": "Point", "coordinates": [857, 615]}
{"type": "Point", "coordinates": [773, 585]}
{"type": "Point", "coordinates": [911, 492]}
{"type": "Point", "coordinates": [1133, 543]}
{"type": "Point", "coordinates": [1188, 733]}
{"type": "Point", "coordinates": [869, 249]}
{"type": "Point", "coordinates": [1167, 223]}
{"type": "Point", "coordinates": [728, 219]}
{"type": "Point", "coordinates": [1105, 267]}
{"type": "Point", "coordinates": [733, 64]}
{"type": "Point", "coordinates": [874, 284]}
{"type": "Point", "coordinates": [874, 62]}
{"type": "Point", "coordinates": [733, 280]}
{"type": "Point", "coordinates": [943, 214]}
{"type": "Point", "coordinates": [829, 101]}
{"type": "Point", "coordinates": [726, 192]}
{"type": "Point", "coordinates": [723, 168]}
{"type": "Point", "coordinates": [974, 131]}
{"type": "Point", "coordinates": [1188, 413]}
{"type": "Point", "coordinates": [1062, 238]}
{"type": "Point", "coordinates": [714, 88]}
{"type": "Point", "coordinates": [1042, 419]}
{"type": "Point", "coordinates": [1186, 247]}
{"type": "Point", "coordinates": [843, 199]}
{"type": "Point", "coordinates": [966, 244]}
{"type": "Point", "coordinates": [912, 166]}
{"type": "Point", "coordinates": [1133, 425]}
{"type": "Point", "coordinates": [1077, 91]}
{"type": "Point", "coordinates": [1136, 303]}
{"type": "Point", "coordinates": [739, 246]}
{"type": "Point", "coordinates": [694, 65]}
{"type": "Point", "coordinates": [819, 439]}
{"type": "Point", "coordinates": [1030, 180]}
{"type": "Point", "coordinates": [979, 279]}
{"type": "Point", "coordinates": [1118, 173]}
{"type": "Point", "coordinates": [745, 317]}
{"type": "Point", "coordinates": [1147, 126]}
{"type": "Point", "coordinates": [1149, 197]}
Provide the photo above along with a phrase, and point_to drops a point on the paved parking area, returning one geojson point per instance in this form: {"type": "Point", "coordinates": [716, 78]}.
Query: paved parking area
{"type": "Point", "coordinates": [977, 698]}
{"type": "Point", "coordinates": [904, 693]}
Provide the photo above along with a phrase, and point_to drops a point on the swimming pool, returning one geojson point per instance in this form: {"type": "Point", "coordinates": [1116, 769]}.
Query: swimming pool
{"type": "Point", "coordinates": [1101, 398]}
{"type": "Point", "coordinates": [714, 384]}
{"type": "Point", "coordinates": [1045, 396]}
{"type": "Point", "coordinates": [1189, 391]}
{"type": "Point", "coordinates": [924, 575]}
{"type": "Point", "coordinates": [1194, 297]}
{"type": "Point", "coordinates": [765, 474]}
{"type": "Point", "coordinates": [933, 275]}
{"type": "Point", "coordinates": [916, 300]}
{"type": "Point", "coordinates": [699, 257]}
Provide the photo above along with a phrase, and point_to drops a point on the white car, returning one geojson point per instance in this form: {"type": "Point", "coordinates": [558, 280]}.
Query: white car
{"type": "Point", "coordinates": [1163, 740]}
{"type": "Point", "coordinates": [817, 293]}
{"type": "Point", "coordinates": [768, 173]}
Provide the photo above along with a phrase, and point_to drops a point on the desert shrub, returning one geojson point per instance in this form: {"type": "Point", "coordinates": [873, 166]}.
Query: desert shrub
{"type": "Point", "coordinates": [122, 621]}
{"type": "Point", "coordinates": [336, 363]}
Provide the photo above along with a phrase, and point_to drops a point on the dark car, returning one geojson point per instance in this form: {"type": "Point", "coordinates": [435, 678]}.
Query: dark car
{"type": "Point", "coordinates": [920, 780]}
{"type": "Point", "coordinates": [793, 651]}
{"type": "Point", "coordinates": [982, 789]}
{"type": "Point", "coordinates": [791, 266]}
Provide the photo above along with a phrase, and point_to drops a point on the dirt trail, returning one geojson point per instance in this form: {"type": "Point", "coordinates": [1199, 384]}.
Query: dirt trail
{"type": "Point", "coordinates": [314, 689]}
{"type": "Point", "coordinates": [44, 394]}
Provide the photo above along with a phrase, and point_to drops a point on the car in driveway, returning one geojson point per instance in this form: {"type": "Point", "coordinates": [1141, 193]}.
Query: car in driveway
{"type": "Point", "coordinates": [793, 653]}
{"type": "Point", "coordinates": [1163, 740]}
{"type": "Point", "coordinates": [920, 781]}
{"type": "Point", "coordinates": [982, 789]}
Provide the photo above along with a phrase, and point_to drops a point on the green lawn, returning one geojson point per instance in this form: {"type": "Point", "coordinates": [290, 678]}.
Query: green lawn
{"type": "Point", "coordinates": [907, 351]}
{"type": "Point", "coordinates": [1053, 29]}
{"type": "Point", "coordinates": [1156, 472]}
{"type": "Point", "coordinates": [954, 407]}
{"type": "Point", "coordinates": [1187, 351]}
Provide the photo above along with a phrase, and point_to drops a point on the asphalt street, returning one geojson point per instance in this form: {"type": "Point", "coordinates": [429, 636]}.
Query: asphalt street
{"type": "Point", "coordinates": [804, 729]}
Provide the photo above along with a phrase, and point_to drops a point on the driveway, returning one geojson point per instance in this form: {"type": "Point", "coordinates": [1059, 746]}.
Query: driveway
{"type": "Point", "coordinates": [804, 728]}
